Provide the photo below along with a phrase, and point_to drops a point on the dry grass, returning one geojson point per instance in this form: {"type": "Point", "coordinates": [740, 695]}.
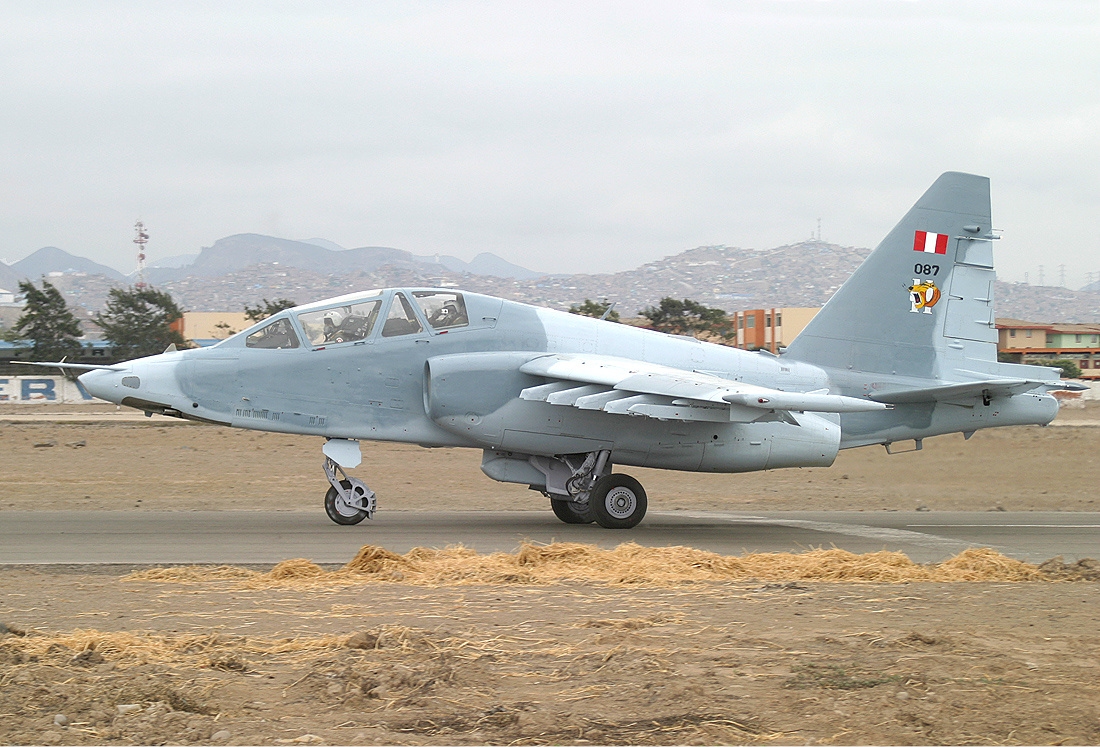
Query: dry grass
{"type": "Point", "coordinates": [626, 564]}
{"type": "Point", "coordinates": [212, 650]}
{"type": "Point", "coordinates": [85, 647]}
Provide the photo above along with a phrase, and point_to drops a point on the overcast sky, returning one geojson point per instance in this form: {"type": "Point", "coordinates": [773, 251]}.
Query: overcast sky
{"type": "Point", "coordinates": [566, 137]}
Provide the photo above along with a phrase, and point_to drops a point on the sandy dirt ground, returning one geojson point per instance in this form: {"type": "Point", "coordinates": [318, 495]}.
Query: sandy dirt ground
{"type": "Point", "coordinates": [217, 662]}
{"type": "Point", "coordinates": [91, 656]}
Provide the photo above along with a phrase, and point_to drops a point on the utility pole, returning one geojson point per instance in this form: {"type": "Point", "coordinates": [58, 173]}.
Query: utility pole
{"type": "Point", "coordinates": [141, 238]}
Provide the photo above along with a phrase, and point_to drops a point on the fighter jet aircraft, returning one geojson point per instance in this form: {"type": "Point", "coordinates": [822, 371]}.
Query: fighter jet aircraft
{"type": "Point", "coordinates": [904, 350]}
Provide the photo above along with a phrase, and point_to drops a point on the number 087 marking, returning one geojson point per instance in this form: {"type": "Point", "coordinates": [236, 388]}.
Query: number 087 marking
{"type": "Point", "coordinates": [932, 270]}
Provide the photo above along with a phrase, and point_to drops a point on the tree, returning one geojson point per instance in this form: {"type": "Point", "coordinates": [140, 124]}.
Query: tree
{"type": "Point", "coordinates": [137, 321]}
{"type": "Point", "coordinates": [1070, 370]}
{"type": "Point", "coordinates": [225, 330]}
{"type": "Point", "coordinates": [266, 308]}
{"type": "Point", "coordinates": [594, 309]}
{"type": "Point", "coordinates": [688, 317]}
{"type": "Point", "coordinates": [47, 321]}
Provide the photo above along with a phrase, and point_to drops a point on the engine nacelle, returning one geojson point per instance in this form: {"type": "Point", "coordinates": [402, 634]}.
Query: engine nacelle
{"type": "Point", "coordinates": [461, 390]}
{"type": "Point", "coordinates": [814, 442]}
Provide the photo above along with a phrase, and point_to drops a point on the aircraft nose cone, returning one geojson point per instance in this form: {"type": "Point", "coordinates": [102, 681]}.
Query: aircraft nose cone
{"type": "Point", "coordinates": [102, 384]}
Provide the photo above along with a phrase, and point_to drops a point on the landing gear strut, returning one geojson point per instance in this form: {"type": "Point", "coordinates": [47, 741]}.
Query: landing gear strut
{"type": "Point", "coordinates": [349, 500]}
{"type": "Point", "coordinates": [592, 492]}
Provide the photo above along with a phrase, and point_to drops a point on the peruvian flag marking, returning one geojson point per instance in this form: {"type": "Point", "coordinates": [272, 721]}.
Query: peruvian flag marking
{"type": "Point", "coordinates": [933, 243]}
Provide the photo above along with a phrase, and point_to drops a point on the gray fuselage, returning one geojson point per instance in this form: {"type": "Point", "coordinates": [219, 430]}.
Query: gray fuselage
{"type": "Point", "coordinates": [460, 387]}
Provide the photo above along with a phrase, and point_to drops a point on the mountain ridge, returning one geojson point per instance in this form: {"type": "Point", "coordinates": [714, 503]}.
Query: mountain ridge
{"type": "Point", "coordinates": [52, 259]}
{"type": "Point", "coordinates": [245, 268]}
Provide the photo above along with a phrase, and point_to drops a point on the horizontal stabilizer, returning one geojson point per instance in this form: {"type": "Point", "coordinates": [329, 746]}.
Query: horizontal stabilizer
{"type": "Point", "coordinates": [946, 392]}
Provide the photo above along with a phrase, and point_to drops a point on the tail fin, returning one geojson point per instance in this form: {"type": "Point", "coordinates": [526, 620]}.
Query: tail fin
{"type": "Point", "coordinates": [921, 304]}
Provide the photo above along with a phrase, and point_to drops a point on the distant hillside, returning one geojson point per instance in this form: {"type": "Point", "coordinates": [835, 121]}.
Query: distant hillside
{"type": "Point", "coordinates": [797, 275]}
{"type": "Point", "coordinates": [9, 278]}
{"type": "Point", "coordinates": [1044, 303]}
{"type": "Point", "coordinates": [730, 278]}
{"type": "Point", "coordinates": [175, 261]}
{"type": "Point", "coordinates": [51, 259]}
{"type": "Point", "coordinates": [324, 244]}
{"type": "Point", "coordinates": [234, 253]}
{"type": "Point", "coordinates": [486, 263]}
{"type": "Point", "coordinates": [243, 269]}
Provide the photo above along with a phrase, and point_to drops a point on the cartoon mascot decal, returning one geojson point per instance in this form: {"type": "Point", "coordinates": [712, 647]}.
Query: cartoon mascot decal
{"type": "Point", "coordinates": [924, 295]}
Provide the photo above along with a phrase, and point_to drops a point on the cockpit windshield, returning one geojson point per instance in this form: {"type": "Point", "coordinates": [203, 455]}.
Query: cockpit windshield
{"type": "Point", "coordinates": [402, 319]}
{"type": "Point", "coordinates": [276, 335]}
{"type": "Point", "coordinates": [442, 308]}
{"type": "Point", "coordinates": [340, 323]}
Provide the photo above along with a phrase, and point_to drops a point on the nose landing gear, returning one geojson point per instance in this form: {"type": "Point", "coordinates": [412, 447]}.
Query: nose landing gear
{"type": "Point", "coordinates": [349, 500]}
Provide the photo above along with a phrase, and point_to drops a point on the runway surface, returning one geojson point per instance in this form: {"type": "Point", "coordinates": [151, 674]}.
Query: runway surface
{"type": "Point", "coordinates": [253, 537]}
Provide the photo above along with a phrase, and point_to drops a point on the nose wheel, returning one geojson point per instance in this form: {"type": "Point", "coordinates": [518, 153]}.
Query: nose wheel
{"type": "Point", "coordinates": [349, 500]}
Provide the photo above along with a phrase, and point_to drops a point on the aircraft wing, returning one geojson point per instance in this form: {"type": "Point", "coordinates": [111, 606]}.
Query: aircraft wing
{"type": "Point", "coordinates": [629, 387]}
{"type": "Point", "coordinates": [72, 366]}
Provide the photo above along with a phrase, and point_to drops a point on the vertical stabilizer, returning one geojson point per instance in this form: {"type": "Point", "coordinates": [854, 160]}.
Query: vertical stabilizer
{"type": "Point", "coordinates": [921, 305]}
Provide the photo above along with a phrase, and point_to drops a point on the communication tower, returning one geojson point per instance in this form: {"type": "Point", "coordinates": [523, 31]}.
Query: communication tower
{"type": "Point", "coordinates": [141, 238]}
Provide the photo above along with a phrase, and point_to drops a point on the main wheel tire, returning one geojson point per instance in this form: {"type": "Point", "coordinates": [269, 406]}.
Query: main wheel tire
{"type": "Point", "coordinates": [571, 512]}
{"type": "Point", "coordinates": [618, 501]}
{"type": "Point", "coordinates": [339, 512]}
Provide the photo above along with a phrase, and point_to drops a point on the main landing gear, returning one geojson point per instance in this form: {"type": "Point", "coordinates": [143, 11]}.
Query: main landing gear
{"type": "Point", "coordinates": [594, 494]}
{"type": "Point", "coordinates": [349, 500]}
{"type": "Point", "coordinates": [618, 501]}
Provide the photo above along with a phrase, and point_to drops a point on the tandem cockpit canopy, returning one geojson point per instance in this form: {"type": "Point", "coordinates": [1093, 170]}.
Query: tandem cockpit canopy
{"type": "Point", "coordinates": [356, 319]}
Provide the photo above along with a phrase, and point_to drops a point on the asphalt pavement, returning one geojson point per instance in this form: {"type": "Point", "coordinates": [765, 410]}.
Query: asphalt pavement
{"type": "Point", "coordinates": [253, 537]}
